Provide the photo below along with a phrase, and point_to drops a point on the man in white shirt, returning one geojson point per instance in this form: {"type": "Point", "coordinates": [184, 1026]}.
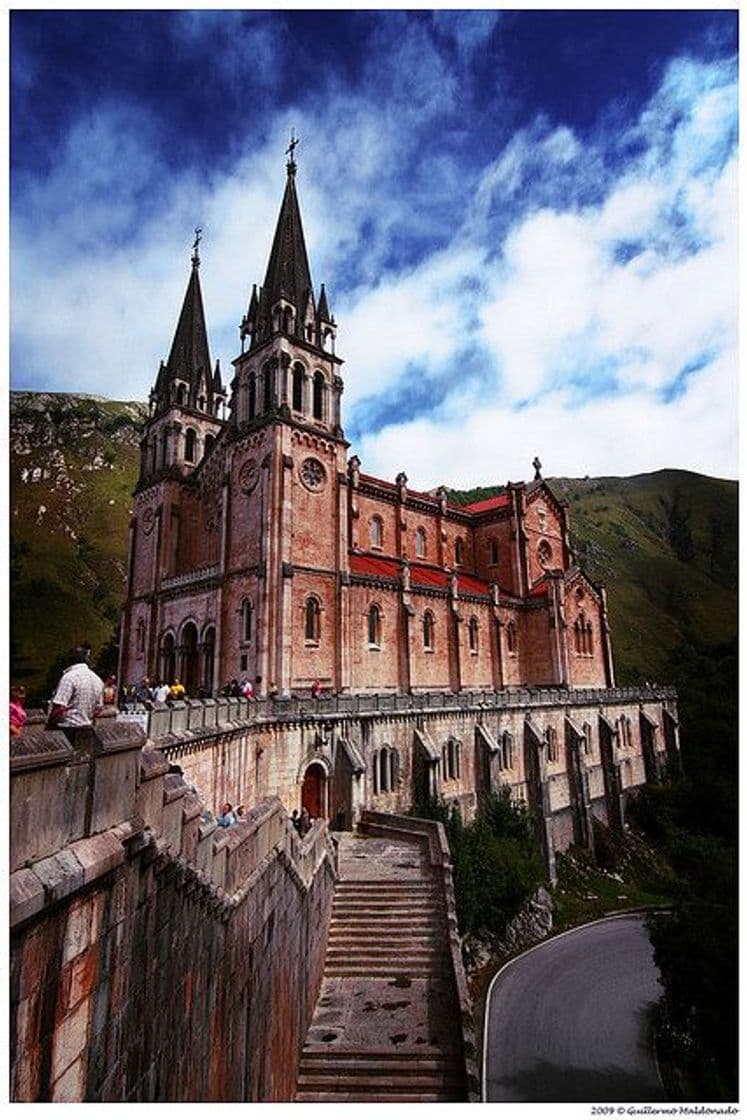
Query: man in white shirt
{"type": "Point", "coordinates": [78, 695]}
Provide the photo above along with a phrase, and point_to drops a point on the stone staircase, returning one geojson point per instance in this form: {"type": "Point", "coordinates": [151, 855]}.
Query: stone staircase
{"type": "Point", "coordinates": [385, 1026]}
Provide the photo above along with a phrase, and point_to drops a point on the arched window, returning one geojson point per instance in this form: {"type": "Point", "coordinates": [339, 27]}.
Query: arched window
{"type": "Point", "coordinates": [376, 532]}
{"type": "Point", "coordinates": [209, 441]}
{"type": "Point", "coordinates": [588, 746]}
{"type": "Point", "coordinates": [287, 319]}
{"type": "Point", "coordinates": [312, 612]}
{"type": "Point", "coordinates": [190, 444]}
{"type": "Point", "coordinates": [374, 625]}
{"type": "Point", "coordinates": [451, 760]}
{"type": "Point", "coordinates": [298, 380]}
{"type": "Point", "coordinates": [551, 738]}
{"type": "Point", "coordinates": [578, 633]}
{"type": "Point", "coordinates": [459, 551]}
{"type": "Point", "coordinates": [247, 620]}
{"type": "Point", "coordinates": [493, 550]}
{"type": "Point", "coordinates": [252, 395]}
{"type": "Point", "coordinates": [511, 636]}
{"type": "Point", "coordinates": [140, 639]}
{"type": "Point", "coordinates": [589, 640]}
{"type": "Point", "coordinates": [428, 628]}
{"type": "Point", "coordinates": [164, 449]}
{"type": "Point", "coordinates": [268, 387]}
{"type": "Point", "coordinates": [180, 393]}
{"type": "Point", "coordinates": [473, 635]}
{"type": "Point", "coordinates": [420, 543]}
{"type": "Point", "coordinates": [318, 395]}
{"type": "Point", "coordinates": [506, 752]}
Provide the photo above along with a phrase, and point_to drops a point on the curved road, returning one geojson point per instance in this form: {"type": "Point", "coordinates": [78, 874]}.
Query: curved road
{"type": "Point", "coordinates": [570, 1019]}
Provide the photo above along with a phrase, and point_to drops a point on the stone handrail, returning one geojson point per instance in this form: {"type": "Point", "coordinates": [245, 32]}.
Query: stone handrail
{"type": "Point", "coordinates": [433, 834]}
{"type": "Point", "coordinates": [187, 720]}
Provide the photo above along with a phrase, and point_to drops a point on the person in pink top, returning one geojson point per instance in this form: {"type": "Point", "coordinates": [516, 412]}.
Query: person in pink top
{"type": "Point", "coordinates": [17, 709]}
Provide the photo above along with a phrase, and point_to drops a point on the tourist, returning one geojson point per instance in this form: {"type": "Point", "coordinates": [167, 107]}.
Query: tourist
{"type": "Point", "coordinates": [272, 692]}
{"type": "Point", "coordinates": [17, 709]}
{"type": "Point", "coordinates": [161, 692]}
{"type": "Point", "coordinates": [142, 693]}
{"type": "Point", "coordinates": [247, 689]}
{"type": "Point", "coordinates": [306, 821]}
{"type": "Point", "coordinates": [234, 689]}
{"type": "Point", "coordinates": [316, 689]}
{"type": "Point", "coordinates": [227, 816]}
{"type": "Point", "coordinates": [78, 696]}
{"type": "Point", "coordinates": [296, 821]}
{"type": "Point", "coordinates": [240, 811]}
{"type": "Point", "coordinates": [109, 695]}
{"type": "Point", "coordinates": [177, 691]}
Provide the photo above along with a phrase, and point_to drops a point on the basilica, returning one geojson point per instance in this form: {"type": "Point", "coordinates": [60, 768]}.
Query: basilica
{"type": "Point", "coordinates": [260, 548]}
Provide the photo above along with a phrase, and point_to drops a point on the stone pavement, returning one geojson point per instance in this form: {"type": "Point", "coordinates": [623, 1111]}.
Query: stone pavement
{"type": "Point", "coordinates": [386, 1022]}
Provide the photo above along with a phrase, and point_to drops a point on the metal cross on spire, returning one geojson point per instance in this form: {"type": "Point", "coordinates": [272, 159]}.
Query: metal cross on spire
{"type": "Point", "coordinates": [290, 150]}
{"type": "Point", "coordinates": [195, 247]}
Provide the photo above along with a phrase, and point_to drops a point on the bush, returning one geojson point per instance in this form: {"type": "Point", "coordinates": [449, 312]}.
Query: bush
{"type": "Point", "coordinates": [496, 860]}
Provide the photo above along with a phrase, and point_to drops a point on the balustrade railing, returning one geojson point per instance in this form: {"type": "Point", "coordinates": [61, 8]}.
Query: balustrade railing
{"type": "Point", "coordinates": [193, 719]}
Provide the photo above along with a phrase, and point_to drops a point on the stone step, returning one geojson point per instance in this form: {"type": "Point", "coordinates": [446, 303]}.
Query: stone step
{"type": "Point", "coordinates": [415, 887]}
{"type": "Point", "coordinates": [408, 1079]}
{"type": "Point", "coordinates": [348, 943]}
{"type": "Point", "coordinates": [380, 1096]}
{"type": "Point", "coordinates": [410, 970]}
{"type": "Point", "coordinates": [382, 1056]}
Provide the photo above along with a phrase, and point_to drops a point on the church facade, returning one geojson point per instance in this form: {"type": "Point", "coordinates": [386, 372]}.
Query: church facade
{"type": "Point", "coordinates": [260, 548]}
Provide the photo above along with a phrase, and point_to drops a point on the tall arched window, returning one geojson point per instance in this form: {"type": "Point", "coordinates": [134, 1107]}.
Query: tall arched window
{"type": "Point", "coordinates": [298, 380]}
{"type": "Point", "coordinates": [376, 532]}
{"type": "Point", "coordinates": [247, 620]}
{"type": "Point", "coordinates": [473, 635]}
{"type": "Point", "coordinates": [428, 628]}
{"type": "Point", "coordinates": [252, 395]}
{"type": "Point", "coordinates": [318, 395]}
{"type": "Point", "coordinates": [312, 613]}
{"type": "Point", "coordinates": [140, 639]}
{"type": "Point", "coordinates": [374, 625]}
{"type": "Point", "coordinates": [420, 543]}
{"type": "Point", "coordinates": [506, 753]}
{"type": "Point", "coordinates": [209, 441]}
{"type": "Point", "coordinates": [168, 659]}
{"type": "Point", "coordinates": [451, 760]}
{"type": "Point", "coordinates": [269, 378]}
{"type": "Point", "coordinates": [459, 551]}
{"type": "Point", "coordinates": [578, 633]}
{"type": "Point", "coordinates": [589, 644]}
{"type": "Point", "coordinates": [493, 550]}
{"type": "Point", "coordinates": [190, 444]}
{"type": "Point", "coordinates": [551, 738]}
{"type": "Point", "coordinates": [180, 394]}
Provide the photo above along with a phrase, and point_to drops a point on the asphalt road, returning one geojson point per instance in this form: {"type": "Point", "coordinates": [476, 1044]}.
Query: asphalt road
{"type": "Point", "coordinates": [570, 1020]}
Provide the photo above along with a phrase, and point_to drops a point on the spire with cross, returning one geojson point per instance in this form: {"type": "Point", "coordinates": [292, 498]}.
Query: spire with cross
{"type": "Point", "coordinates": [290, 152]}
{"type": "Point", "coordinates": [195, 248]}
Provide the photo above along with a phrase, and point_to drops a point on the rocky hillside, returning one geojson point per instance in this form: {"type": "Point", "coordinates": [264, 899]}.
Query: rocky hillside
{"type": "Point", "coordinates": [664, 543]}
{"type": "Point", "coordinates": [73, 466]}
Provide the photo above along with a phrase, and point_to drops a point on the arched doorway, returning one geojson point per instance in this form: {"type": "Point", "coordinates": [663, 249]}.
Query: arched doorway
{"type": "Point", "coordinates": [168, 659]}
{"type": "Point", "coordinates": [208, 660]}
{"type": "Point", "coordinates": [314, 791]}
{"type": "Point", "coordinates": [189, 665]}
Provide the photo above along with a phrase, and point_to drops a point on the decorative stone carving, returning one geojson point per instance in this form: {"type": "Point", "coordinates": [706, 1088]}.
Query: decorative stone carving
{"type": "Point", "coordinates": [313, 474]}
{"type": "Point", "coordinates": [249, 476]}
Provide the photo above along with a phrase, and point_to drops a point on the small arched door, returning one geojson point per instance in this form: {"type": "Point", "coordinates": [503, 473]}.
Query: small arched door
{"type": "Point", "coordinates": [313, 791]}
{"type": "Point", "coordinates": [189, 666]}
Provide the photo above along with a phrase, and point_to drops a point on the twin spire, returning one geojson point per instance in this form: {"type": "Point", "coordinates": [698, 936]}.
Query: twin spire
{"type": "Point", "coordinates": [284, 302]}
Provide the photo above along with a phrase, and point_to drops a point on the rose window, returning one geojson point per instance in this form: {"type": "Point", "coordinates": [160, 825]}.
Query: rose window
{"type": "Point", "coordinates": [313, 474]}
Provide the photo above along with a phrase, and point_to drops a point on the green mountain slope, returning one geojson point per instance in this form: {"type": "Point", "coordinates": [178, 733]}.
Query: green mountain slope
{"type": "Point", "coordinates": [73, 466]}
{"type": "Point", "coordinates": [665, 544]}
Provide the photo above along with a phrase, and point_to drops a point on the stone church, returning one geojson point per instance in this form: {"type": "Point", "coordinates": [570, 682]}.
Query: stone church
{"type": "Point", "coordinates": [259, 546]}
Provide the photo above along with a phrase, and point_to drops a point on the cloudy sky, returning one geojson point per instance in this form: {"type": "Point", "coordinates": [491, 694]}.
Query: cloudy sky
{"type": "Point", "coordinates": [526, 221]}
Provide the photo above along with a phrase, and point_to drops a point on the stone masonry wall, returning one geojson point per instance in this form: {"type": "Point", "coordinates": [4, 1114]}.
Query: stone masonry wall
{"type": "Point", "coordinates": [158, 958]}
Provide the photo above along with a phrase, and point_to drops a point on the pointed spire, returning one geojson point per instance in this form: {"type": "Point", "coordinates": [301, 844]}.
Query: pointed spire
{"type": "Point", "coordinates": [189, 358]}
{"type": "Point", "coordinates": [217, 380]}
{"type": "Point", "coordinates": [323, 309]}
{"type": "Point", "coordinates": [288, 275]}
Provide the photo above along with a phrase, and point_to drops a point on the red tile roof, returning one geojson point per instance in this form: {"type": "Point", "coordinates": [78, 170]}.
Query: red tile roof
{"type": "Point", "coordinates": [472, 584]}
{"type": "Point", "coordinates": [374, 566]}
{"type": "Point", "coordinates": [499, 502]}
{"type": "Point", "coordinates": [429, 577]}
{"type": "Point", "coordinates": [539, 589]}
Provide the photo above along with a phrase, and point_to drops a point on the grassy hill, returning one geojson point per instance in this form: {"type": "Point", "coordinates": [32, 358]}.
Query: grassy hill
{"type": "Point", "coordinates": [73, 466]}
{"type": "Point", "coordinates": [665, 544]}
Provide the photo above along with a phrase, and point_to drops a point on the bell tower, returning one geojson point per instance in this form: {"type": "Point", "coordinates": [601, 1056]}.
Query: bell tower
{"type": "Point", "coordinates": [288, 367]}
{"type": "Point", "coordinates": [187, 401]}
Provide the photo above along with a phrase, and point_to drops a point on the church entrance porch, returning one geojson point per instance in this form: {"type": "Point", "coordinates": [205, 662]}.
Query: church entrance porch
{"type": "Point", "coordinates": [314, 791]}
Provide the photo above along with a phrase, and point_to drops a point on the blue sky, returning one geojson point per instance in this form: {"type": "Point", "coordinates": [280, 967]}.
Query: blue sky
{"type": "Point", "coordinates": [526, 221]}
